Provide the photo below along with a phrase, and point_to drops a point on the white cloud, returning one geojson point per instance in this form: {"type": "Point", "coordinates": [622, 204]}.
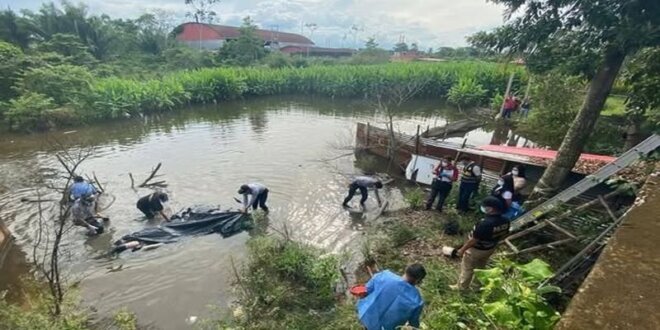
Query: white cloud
{"type": "Point", "coordinates": [429, 23]}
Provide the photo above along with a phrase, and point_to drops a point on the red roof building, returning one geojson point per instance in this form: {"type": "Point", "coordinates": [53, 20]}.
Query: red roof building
{"type": "Point", "coordinates": [211, 36]}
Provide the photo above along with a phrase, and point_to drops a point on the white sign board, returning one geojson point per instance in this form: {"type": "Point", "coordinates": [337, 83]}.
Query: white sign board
{"type": "Point", "coordinates": [424, 167]}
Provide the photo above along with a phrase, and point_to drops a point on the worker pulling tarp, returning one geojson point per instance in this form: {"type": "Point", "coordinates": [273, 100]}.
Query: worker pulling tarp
{"type": "Point", "coordinates": [193, 221]}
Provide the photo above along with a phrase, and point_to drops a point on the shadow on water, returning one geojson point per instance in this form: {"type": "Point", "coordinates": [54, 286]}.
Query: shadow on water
{"type": "Point", "coordinates": [299, 147]}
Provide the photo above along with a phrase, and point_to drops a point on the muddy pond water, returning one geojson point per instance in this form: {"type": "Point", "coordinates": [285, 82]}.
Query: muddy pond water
{"type": "Point", "coordinates": [296, 146]}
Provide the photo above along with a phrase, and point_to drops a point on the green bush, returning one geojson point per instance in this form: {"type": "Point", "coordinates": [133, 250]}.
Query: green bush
{"type": "Point", "coordinates": [277, 60]}
{"type": "Point", "coordinates": [401, 234]}
{"type": "Point", "coordinates": [11, 58]}
{"type": "Point", "coordinates": [117, 97]}
{"type": "Point", "coordinates": [63, 83]}
{"type": "Point", "coordinates": [556, 99]}
{"type": "Point", "coordinates": [29, 112]}
{"type": "Point", "coordinates": [466, 92]}
{"type": "Point", "coordinates": [512, 295]}
{"type": "Point", "coordinates": [415, 198]}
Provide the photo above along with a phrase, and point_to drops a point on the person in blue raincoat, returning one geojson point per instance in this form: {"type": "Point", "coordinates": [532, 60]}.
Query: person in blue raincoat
{"type": "Point", "coordinates": [392, 300]}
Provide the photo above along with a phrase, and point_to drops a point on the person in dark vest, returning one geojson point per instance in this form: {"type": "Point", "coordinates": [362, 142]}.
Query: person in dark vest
{"type": "Point", "coordinates": [482, 241]}
{"type": "Point", "coordinates": [445, 175]}
{"type": "Point", "coordinates": [258, 193]}
{"type": "Point", "coordinates": [152, 204]}
{"type": "Point", "coordinates": [504, 191]}
{"type": "Point", "coordinates": [363, 183]}
{"type": "Point", "coordinates": [470, 179]}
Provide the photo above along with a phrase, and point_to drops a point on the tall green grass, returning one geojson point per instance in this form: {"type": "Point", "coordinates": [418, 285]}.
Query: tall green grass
{"type": "Point", "coordinates": [115, 97]}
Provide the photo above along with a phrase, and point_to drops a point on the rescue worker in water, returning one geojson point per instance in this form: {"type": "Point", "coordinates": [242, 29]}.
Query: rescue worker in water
{"type": "Point", "coordinates": [363, 183]}
{"type": "Point", "coordinates": [259, 194]}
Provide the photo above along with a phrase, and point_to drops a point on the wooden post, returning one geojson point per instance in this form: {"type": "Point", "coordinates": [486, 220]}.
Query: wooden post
{"type": "Point", "coordinates": [508, 91]}
{"type": "Point", "coordinates": [529, 85]}
{"type": "Point", "coordinates": [366, 136]}
{"type": "Point", "coordinates": [417, 141]}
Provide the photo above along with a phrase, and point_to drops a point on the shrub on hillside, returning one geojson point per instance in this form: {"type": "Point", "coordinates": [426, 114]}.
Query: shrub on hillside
{"type": "Point", "coordinates": [63, 83]}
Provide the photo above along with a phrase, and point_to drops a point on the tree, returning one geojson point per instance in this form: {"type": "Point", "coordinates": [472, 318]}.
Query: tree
{"type": "Point", "coordinates": [371, 44]}
{"type": "Point", "coordinates": [557, 98]}
{"type": "Point", "coordinates": [414, 47]}
{"type": "Point", "coordinates": [445, 52]}
{"type": "Point", "coordinates": [401, 47]}
{"type": "Point", "coordinates": [246, 49]}
{"type": "Point", "coordinates": [201, 10]}
{"type": "Point", "coordinates": [11, 58]}
{"type": "Point", "coordinates": [641, 79]}
{"type": "Point", "coordinates": [70, 47]}
{"type": "Point", "coordinates": [63, 83]}
{"type": "Point", "coordinates": [14, 29]}
{"type": "Point", "coordinates": [604, 32]}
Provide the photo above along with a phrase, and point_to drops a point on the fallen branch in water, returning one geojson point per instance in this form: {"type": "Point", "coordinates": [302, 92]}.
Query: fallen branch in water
{"type": "Point", "coordinates": [146, 183]}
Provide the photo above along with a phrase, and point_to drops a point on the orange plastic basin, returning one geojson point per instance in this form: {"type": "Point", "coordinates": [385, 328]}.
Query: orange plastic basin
{"type": "Point", "coordinates": [359, 291]}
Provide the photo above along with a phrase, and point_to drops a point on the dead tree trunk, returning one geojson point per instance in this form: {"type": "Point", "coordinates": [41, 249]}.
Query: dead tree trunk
{"type": "Point", "coordinates": [577, 135]}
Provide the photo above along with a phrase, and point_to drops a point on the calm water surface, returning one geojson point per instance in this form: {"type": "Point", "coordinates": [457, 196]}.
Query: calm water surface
{"type": "Point", "coordinates": [290, 144]}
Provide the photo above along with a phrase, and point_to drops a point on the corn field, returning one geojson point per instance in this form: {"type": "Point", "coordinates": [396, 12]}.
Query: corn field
{"type": "Point", "coordinates": [115, 97]}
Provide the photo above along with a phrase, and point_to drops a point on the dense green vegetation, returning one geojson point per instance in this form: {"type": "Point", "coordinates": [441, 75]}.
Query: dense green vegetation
{"type": "Point", "coordinates": [73, 95]}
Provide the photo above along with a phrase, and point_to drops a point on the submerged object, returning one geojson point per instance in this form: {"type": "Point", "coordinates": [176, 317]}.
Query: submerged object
{"type": "Point", "coordinates": [193, 221]}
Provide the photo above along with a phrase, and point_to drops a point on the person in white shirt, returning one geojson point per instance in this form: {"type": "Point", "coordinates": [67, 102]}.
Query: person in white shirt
{"type": "Point", "coordinates": [363, 183]}
{"type": "Point", "coordinates": [259, 196]}
{"type": "Point", "coordinates": [445, 175]}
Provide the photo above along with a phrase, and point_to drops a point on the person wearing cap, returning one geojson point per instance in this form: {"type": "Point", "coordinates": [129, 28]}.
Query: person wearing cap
{"type": "Point", "coordinates": [392, 300]}
{"type": "Point", "coordinates": [258, 193]}
{"type": "Point", "coordinates": [363, 183]}
{"type": "Point", "coordinates": [445, 175]}
{"type": "Point", "coordinates": [482, 241]}
{"type": "Point", "coordinates": [152, 204]}
{"type": "Point", "coordinates": [81, 188]}
{"type": "Point", "coordinates": [470, 179]}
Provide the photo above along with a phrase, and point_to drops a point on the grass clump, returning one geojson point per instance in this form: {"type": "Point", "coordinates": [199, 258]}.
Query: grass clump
{"type": "Point", "coordinates": [286, 285]}
{"type": "Point", "coordinates": [415, 198]}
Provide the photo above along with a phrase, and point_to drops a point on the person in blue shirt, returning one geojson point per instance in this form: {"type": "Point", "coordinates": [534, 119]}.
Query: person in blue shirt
{"type": "Point", "coordinates": [392, 300]}
{"type": "Point", "coordinates": [81, 188]}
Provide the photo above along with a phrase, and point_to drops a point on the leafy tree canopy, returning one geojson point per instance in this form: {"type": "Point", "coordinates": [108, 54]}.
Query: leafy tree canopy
{"type": "Point", "coordinates": [573, 35]}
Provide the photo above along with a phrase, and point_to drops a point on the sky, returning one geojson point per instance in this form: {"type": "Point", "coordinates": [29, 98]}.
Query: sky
{"type": "Point", "coordinates": [429, 23]}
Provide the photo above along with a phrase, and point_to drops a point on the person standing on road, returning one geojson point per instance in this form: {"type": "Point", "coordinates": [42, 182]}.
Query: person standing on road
{"type": "Point", "coordinates": [470, 179]}
{"type": "Point", "coordinates": [392, 300]}
{"type": "Point", "coordinates": [259, 194]}
{"type": "Point", "coordinates": [363, 183]}
{"type": "Point", "coordinates": [445, 175]}
{"type": "Point", "coordinates": [482, 241]}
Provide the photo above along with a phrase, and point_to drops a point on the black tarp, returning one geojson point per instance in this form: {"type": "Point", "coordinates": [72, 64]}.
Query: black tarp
{"type": "Point", "coordinates": [193, 221]}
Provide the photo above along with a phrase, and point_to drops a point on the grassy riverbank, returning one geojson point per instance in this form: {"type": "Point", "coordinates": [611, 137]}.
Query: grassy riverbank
{"type": "Point", "coordinates": [288, 285]}
{"type": "Point", "coordinates": [66, 95]}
